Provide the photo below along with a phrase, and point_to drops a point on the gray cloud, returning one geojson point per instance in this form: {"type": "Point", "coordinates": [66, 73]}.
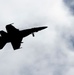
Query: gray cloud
{"type": "Point", "coordinates": [70, 4]}
{"type": "Point", "coordinates": [50, 52]}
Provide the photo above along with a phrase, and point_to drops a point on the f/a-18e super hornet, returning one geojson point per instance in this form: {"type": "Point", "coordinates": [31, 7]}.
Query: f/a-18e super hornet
{"type": "Point", "coordinates": [15, 36]}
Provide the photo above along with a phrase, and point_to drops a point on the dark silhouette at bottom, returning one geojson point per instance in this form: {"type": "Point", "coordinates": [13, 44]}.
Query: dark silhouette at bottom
{"type": "Point", "coordinates": [15, 36]}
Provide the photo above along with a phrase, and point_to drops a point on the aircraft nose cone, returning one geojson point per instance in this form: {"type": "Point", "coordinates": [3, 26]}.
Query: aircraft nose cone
{"type": "Point", "coordinates": [44, 27]}
{"type": "Point", "coordinates": [41, 28]}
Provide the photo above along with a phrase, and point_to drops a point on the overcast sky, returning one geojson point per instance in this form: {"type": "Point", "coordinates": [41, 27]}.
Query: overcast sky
{"type": "Point", "coordinates": [51, 51]}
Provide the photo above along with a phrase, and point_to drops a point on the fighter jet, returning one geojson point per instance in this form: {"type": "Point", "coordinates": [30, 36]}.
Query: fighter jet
{"type": "Point", "coordinates": [15, 36]}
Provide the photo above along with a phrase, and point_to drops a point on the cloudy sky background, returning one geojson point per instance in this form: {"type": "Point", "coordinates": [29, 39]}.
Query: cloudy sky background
{"type": "Point", "coordinates": [51, 51]}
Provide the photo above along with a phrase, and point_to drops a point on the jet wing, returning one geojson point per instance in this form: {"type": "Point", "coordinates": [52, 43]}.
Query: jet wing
{"type": "Point", "coordinates": [16, 43]}
{"type": "Point", "coordinates": [2, 42]}
{"type": "Point", "coordinates": [3, 39]}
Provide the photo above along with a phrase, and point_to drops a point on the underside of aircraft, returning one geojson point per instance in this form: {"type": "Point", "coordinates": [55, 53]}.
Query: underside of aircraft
{"type": "Point", "coordinates": [15, 36]}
